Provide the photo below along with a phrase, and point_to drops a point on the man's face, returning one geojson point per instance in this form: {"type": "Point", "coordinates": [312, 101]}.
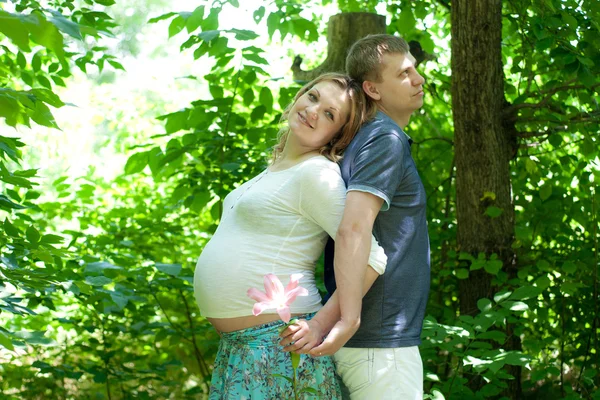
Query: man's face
{"type": "Point", "coordinates": [400, 89]}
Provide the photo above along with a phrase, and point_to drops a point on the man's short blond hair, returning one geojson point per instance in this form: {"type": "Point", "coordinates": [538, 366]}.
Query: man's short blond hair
{"type": "Point", "coordinates": [365, 57]}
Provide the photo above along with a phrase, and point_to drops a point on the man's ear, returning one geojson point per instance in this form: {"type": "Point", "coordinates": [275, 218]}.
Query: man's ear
{"type": "Point", "coordinates": [371, 90]}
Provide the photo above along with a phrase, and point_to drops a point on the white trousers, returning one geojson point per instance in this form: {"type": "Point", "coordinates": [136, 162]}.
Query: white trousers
{"type": "Point", "coordinates": [380, 374]}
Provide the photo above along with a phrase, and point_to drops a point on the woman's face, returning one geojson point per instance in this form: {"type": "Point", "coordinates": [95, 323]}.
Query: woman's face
{"type": "Point", "coordinates": [319, 114]}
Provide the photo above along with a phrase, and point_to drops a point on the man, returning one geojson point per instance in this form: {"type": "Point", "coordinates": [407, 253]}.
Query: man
{"type": "Point", "coordinates": [385, 196]}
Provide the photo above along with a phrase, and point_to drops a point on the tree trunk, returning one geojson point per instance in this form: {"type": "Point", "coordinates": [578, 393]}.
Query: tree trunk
{"type": "Point", "coordinates": [342, 31]}
{"type": "Point", "coordinates": [483, 148]}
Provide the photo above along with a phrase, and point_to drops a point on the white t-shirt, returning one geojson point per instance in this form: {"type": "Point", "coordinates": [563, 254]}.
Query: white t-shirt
{"type": "Point", "coordinates": [278, 223]}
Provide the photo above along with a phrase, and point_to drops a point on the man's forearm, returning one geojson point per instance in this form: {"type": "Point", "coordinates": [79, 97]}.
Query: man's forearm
{"type": "Point", "coordinates": [330, 313]}
{"type": "Point", "coordinates": [352, 248]}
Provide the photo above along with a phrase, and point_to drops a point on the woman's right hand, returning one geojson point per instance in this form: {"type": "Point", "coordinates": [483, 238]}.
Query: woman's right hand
{"type": "Point", "coordinates": [302, 336]}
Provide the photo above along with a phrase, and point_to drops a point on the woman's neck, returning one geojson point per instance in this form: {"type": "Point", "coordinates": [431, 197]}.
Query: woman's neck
{"type": "Point", "coordinates": [292, 155]}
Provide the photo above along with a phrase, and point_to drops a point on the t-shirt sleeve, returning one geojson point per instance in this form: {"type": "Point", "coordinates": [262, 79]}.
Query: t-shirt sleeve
{"type": "Point", "coordinates": [322, 200]}
{"type": "Point", "coordinates": [378, 167]}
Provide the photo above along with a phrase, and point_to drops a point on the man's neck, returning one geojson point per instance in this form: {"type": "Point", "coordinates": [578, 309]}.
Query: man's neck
{"type": "Point", "coordinates": [402, 121]}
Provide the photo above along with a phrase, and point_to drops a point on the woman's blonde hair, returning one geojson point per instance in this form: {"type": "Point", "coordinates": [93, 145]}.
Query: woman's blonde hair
{"type": "Point", "coordinates": [361, 110]}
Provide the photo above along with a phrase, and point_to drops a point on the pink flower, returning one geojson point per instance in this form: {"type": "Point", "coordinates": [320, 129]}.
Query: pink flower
{"type": "Point", "coordinates": [276, 296]}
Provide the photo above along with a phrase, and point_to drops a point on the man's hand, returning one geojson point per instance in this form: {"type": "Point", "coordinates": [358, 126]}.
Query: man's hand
{"type": "Point", "coordinates": [337, 338]}
{"type": "Point", "coordinates": [302, 336]}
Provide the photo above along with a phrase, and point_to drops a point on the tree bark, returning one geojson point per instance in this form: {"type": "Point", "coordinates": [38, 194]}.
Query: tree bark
{"type": "Point", "coordinates": [342, 31]}
{"type": "Point", "coordinates": [483, 147]}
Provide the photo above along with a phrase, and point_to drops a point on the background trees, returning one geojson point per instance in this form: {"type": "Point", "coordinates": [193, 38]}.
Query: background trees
{"type": "Point", "coordinates": [96, 275]}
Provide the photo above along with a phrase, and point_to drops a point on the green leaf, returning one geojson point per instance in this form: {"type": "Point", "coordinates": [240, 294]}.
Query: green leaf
{"type": "Point", "coordinates": [501, 296]}
{"type": "Point", "coordinates": [259, 14]}
{"type": "Point", "coordinates": [42, 115]}
{"type": "Point", "coordinates": [585, 61]}
{"type": "Point", "coordinates": [6, 342]}
{"type": "Point", "coordinates": [497, 336]}
{"type": "Point", "coordinates": [32, 235]}
{"type": "Point", "coordinates": [176, 26]}
{"type": "Point", "coordinates": [493, 266]}
{"type": "Point", "coordinates": [195, 19]}
{"type": "Point", "coordinates": [530, 166]}
{"type": "Point", "coordinates": [119, 299]}
{"type": "Point", "coordinates": [569, 20]}
{"type": "Point", "coordinates": [545, 191]}
{"type": "Point", "coordinates": [244, 34]}
{"type": "Point", "coordinates": [35, 337]}
{"type": "Point", "coordinates": [43, 255]}
{"type": "Point", "coordinates": [543, 282]}
{"type": "Point", "coordinates": [169, 269]}
{"type": "Point", "coordinates": [116, 65]}
{"type": "Point", "coordinates": [587, 77]}
{"type": "Point", "coordinates": [136, 163]}
{"type": "Point", "coordinates": [484, 305]}
{"type": "Point", "coordinates": [295, 360]}
{"type": "Point", "coordinates": [308, 390]}
{"type": "Point", "coordinates": [462, 273]}
{"type": "Point", "coordinates": [47, 96]}
{"type": "Point", "coordinates": [161, 17]}
{"type": "Point", "coordinates": [248, 96]}
{"type": "Point", "coordinates": [266, 98]}
{"type": "Point", "coordinates": [516, 305]}
{"type": "Point", "coordinates": [99, 267]}
{"type": "Point", "coordinates": [100, 377]}
{"type": "Point", "coordinates": [555, 140]}
{"type": "Point", "coordinates": [255, 58]}
{"type": "Point", "coordinates": [407, 21]}
{"type": "Point", "coordinates": [36, 61]}
{"type": "Point", "coordinates": [544, 265]}
{"type": "Point", "coordinates": [14, 29]}
{"type": "Point", "coordinates": [208, 36]}
{"type": "Point", "coordinates": [67, 26]}
{"type": "Point", "coordinates": [46, 34]}
{"type": "Point", "coordinates": [200, 199]}
{"type": "Point", "coordinates": [7, 204]}
{"type": "Point", "coordinates": [569, 267]}
{"type": "Point", "coordinates": [493, 211]}
{"type": "Point", "coordinates": [273, 23]}
{"type": "Point", "coordinates": [258, 113]}
{"type": "Point", "coordinates": [525, 292]}
{"type": "Point", "coordinates": [10, 229]}
{"type": "Point", "coordinates": [290, 380]}
{"type": "Point", "coordinates": [97, 280]}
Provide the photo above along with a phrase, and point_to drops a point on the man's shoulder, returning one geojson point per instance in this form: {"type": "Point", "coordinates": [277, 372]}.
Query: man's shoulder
{"type": "Point", "coordinates": [380, 127]}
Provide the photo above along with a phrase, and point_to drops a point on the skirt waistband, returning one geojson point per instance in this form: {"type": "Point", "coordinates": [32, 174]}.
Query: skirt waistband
{"type": "Point", "coordinates": [260, 335]}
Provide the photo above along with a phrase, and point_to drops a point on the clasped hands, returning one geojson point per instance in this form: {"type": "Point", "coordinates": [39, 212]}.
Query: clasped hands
{"type": "Point", "coordinates": [308, 337]}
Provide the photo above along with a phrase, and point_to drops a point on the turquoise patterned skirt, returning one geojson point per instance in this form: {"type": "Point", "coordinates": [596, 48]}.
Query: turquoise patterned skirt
{"type": "Point", "coordinates": [249, 360]}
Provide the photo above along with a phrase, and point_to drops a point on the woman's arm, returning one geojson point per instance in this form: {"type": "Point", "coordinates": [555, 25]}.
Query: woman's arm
{"type": "Point", "coordinates": [340, 317]}
{"type": "Point", "coordinates": [306, 335]}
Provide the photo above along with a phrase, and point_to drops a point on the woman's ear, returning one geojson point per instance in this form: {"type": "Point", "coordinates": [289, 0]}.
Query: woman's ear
{"type": "Point", "coordinates": [371, 90]}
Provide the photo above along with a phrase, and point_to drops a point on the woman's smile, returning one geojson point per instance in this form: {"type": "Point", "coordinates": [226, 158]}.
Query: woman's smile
{"type": "Point", "coordinates": [304, 120]}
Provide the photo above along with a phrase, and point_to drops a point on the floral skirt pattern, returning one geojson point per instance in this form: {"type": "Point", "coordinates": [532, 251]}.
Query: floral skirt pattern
{"type": "Point", "coordinates": [249, 360]}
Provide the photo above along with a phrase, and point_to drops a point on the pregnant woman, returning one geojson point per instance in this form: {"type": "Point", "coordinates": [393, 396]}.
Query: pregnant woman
{"type": "Point", "coordinates": [277, 224]}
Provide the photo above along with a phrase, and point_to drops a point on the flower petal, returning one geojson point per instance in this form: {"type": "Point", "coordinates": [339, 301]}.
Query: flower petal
{"type": "Point", "coordinates": [273, 286]}
{"type": "Point", "coordinates": [290, 296]}
{"type": "Point", "coordinates": [284, 313]}
{"type": "Point", "coordinates": [294, 281]}
{"type": "Point", "coordinates": [257, 295]}
{"type": "Point", "coordinates": [262, 306]}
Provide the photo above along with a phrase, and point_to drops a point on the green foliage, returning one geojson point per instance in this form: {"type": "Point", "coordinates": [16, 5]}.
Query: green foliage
{"type": "Point", "coordinates": [105, 308]}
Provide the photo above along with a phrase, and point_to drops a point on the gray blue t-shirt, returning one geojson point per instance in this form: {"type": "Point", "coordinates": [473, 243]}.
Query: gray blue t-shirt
{"type": "Point", "coordinates": [378, 161]}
